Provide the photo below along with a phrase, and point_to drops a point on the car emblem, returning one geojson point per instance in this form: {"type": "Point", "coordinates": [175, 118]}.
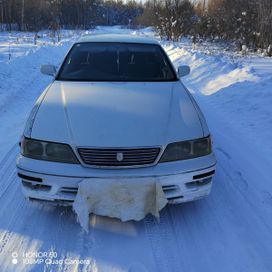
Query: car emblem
{"type": "Point", "coordinates": [119, 156]}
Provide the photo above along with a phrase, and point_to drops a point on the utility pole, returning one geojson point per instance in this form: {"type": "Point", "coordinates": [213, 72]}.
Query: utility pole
{"type": "Point", "coordinates": [204, 6]}
{"type": "Point", "coordinates": [23, 16]}
{"type": "Point", "coordinates": [2, 12]}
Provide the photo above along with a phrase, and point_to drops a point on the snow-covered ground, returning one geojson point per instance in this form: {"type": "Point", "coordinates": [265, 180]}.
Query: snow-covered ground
{"type": "Point", "coordinates": [229, 231]}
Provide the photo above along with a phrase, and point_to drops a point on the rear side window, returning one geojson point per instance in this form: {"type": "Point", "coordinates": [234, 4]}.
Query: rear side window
{"type": "Point", "coordinates": [116, 62]}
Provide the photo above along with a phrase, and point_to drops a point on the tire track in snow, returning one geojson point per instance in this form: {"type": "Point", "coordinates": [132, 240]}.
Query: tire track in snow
{"type": "Point", "coordinates": [86, 246]}
{"type": "Point", "coordinates": [4, 240]}
{"type": "Point", "coordinates": [242, 190]}
{"type": "Point", "coordinates": [57, 235]}
{"type": "Point", "coordinates": [161, 235]}
{"type": "Point", "coordinates": [80, 247]}
{"type": "Point", "coordinates": [82, 243]}
{"type": "Point", "coordinates": [7, 179]}
{"type": "Point", "coordinates": [7, 170]}
{"type": "Point", "coordinates": [10, 156]}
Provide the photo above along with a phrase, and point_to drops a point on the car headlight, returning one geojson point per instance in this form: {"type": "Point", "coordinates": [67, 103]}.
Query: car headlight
{"type": "Point", "coordinates": [187, 150]}
{"type": "Point", "coordinates": [47, 151]}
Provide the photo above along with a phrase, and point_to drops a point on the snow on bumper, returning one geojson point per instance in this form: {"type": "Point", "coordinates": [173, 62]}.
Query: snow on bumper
{"type": "Point", "coordinates": [58, 183]}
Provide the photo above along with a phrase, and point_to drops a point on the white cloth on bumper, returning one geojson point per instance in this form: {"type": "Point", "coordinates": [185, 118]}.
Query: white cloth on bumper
{"type": "Point", "coordinates": [126, 199]}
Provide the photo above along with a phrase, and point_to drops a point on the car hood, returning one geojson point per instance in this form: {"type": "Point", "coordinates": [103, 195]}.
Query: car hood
{"type": "Point", "coordinates": [125, 114]}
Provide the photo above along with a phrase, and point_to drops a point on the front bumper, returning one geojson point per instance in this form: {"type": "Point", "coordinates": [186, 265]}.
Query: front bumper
{"type": "Point", "coordinates": [181, 181]}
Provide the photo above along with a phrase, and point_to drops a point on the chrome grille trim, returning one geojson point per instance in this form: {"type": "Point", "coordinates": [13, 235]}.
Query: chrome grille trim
{"type": "Point", "coordinates": [107, 157]}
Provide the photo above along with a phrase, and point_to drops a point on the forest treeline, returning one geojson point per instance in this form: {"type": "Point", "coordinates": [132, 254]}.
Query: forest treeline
{"type": "Point", "coordinates": [35, 15]}
{"type": "Point", "coordinates": [247, 22]}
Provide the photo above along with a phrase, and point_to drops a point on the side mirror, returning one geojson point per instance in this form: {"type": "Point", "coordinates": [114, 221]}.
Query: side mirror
{"type": "Point", "coordinates": [48, 69]}
{"type": "Point", "coordinates": [183, 70]}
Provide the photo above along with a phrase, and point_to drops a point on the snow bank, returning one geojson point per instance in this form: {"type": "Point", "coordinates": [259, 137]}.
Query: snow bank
{"type": "Point", "coordinates": [129, 199]}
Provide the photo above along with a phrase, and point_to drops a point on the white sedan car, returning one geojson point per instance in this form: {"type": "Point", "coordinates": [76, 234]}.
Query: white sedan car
{"type": "Point", "coordinates": [115, 109]}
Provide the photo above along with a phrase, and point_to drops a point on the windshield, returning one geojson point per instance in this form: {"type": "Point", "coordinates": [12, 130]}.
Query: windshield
{"type": "Point", "coordinates": [116, 62]}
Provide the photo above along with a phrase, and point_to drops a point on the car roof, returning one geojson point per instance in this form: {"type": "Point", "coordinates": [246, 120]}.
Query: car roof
{"type": "Point", "coordinates": [119, 38]}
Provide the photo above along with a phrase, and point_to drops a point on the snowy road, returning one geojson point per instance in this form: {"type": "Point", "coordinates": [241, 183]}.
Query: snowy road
{"type": "Point", "coordinates": [229, 231]}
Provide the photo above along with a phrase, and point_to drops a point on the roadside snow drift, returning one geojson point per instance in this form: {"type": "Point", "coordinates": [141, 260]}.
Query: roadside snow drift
{"type": "Point", "coordinates": [125, 199]}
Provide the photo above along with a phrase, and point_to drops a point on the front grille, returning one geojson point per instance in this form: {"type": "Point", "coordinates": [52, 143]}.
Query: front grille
{"type": "Point", "coordinates": [118, 157]}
